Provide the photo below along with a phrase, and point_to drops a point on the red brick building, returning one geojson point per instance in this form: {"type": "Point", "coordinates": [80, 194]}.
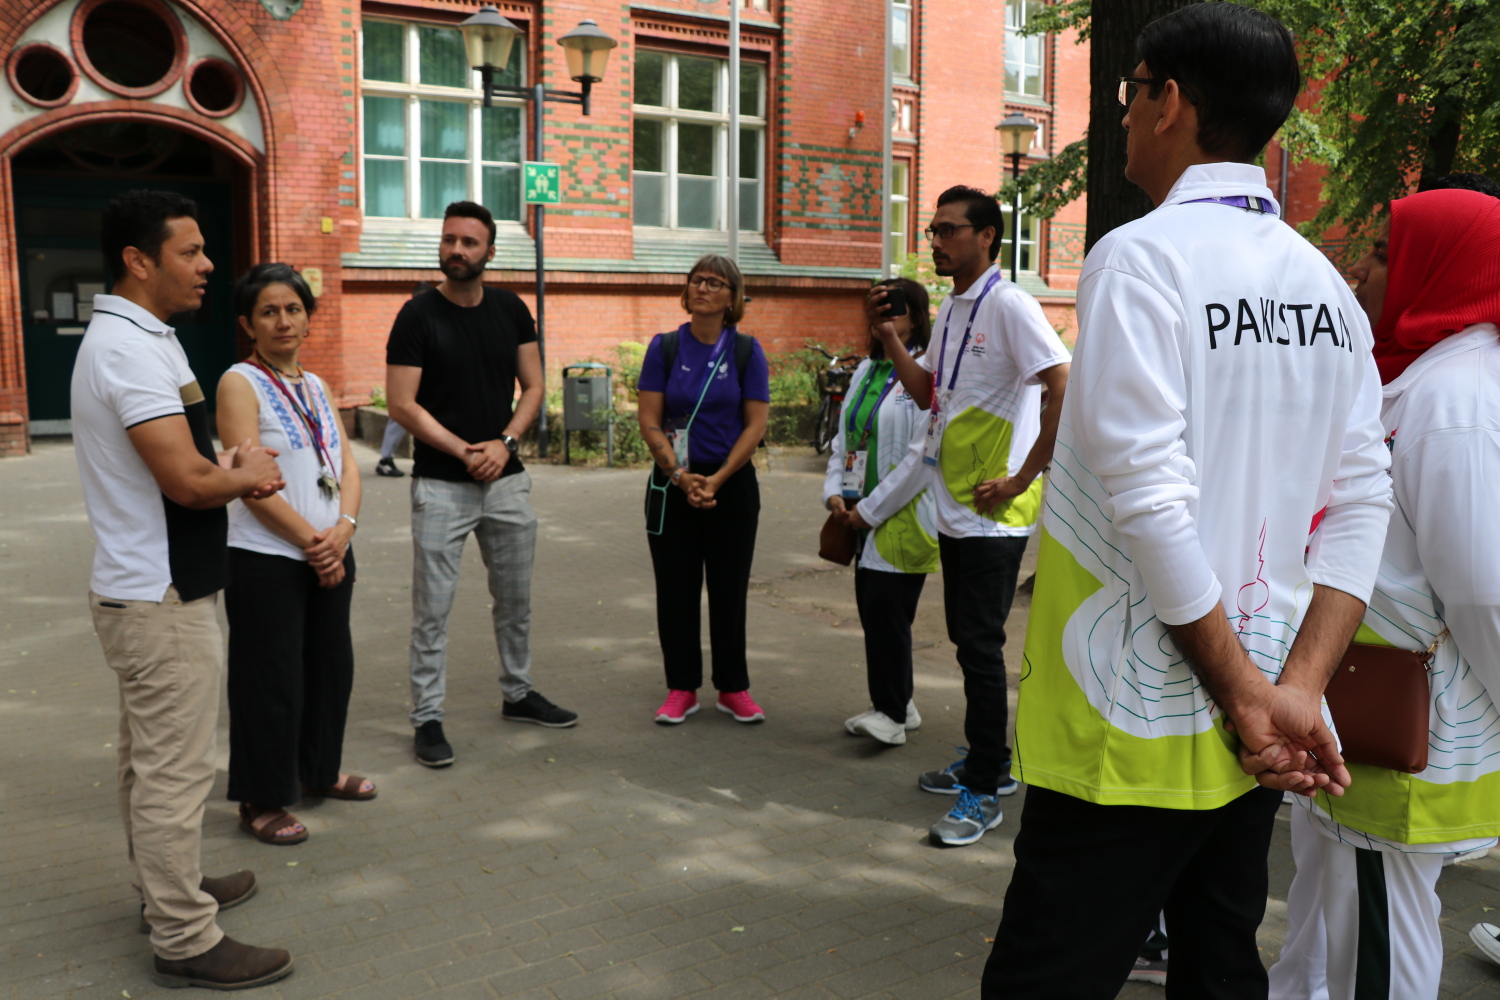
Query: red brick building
{"type": "Point", "coordinates": [330, 133]}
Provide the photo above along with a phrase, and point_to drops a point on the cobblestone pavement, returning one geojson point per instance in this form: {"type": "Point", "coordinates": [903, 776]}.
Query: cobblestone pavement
{"type": "Point", "coordinates": [618, 859]}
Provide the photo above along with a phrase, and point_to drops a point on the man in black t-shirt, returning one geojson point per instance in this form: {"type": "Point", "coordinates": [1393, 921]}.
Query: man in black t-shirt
{"type": "Point", "coordinates": [453, 360]}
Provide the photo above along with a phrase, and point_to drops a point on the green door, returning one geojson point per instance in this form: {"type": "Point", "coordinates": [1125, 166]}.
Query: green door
{"type": "Point", "coordinates": [62, 268]}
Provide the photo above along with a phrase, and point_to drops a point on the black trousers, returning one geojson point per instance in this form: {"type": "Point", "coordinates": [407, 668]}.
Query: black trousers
{"type": "Point", "coordinates": [887, 606]}
{"type": "Point", "coordinates": [291, 669]}
{"type": "Point", "coordinates": [1090, 879]}
{"type": "Point", "coordinates": [979, 583]}
{"type": "Point", "coordinates": [719, 544]}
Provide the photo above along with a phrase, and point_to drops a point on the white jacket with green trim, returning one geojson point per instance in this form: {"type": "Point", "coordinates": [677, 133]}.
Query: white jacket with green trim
{"type": "Point", "coordinates": [1222, 394]}
{"type": "Point", "coordinates": [904, 539]}
{"type": "Point", "coordinates": [1440, 569]}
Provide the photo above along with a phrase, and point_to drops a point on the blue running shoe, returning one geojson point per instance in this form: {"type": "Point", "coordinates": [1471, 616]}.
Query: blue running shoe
{"type": "Point", "coordinates": [968, 820]}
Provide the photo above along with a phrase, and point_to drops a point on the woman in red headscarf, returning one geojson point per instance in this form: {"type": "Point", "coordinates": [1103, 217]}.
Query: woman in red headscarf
{"type": "Point", "coordinates": [1367, 865]}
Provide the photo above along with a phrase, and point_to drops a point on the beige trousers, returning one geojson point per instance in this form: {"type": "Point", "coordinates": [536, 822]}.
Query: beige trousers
{"type": "Point", "coordinates": [168, 658]}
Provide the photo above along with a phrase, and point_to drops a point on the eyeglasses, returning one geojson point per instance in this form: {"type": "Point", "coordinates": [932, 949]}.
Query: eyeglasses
{"type": "Point", "coordinates": [1128, 84]}
{"type": "Point", "coordinates": [704, 281]}
{"type": "Point", "coordinates": [944, 230]}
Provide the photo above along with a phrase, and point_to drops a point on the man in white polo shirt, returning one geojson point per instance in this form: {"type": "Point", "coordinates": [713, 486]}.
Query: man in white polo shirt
{"type": "Point", "coordinates": [984, 449]}
{"type": "Point", "coordinates": [1223, 394]}
{"type": "Point", "coordinates": [155, 492]}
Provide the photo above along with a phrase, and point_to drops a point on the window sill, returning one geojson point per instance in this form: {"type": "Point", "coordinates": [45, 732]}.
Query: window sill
{"type": "Point", "coordinates": [1041, 104]}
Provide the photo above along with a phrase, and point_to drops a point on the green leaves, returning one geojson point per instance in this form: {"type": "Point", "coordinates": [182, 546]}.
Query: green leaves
{"type": "Point", "coordinates": [1051, 184]}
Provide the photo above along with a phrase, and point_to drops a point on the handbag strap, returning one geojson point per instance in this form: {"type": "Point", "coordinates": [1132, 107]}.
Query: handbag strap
{"type": "Point", "coordinates": [1431, 650]}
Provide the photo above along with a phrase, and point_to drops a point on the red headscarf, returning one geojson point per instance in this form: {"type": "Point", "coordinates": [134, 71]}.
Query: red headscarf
{"type": "Point", "coordinates": [1444, 273]}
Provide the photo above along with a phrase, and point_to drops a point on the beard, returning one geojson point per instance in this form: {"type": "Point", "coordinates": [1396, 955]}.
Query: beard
{"type": "Point", "coordinates": [459, 269]}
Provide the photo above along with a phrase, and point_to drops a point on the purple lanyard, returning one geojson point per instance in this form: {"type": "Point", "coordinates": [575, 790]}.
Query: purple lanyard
{"type": "Point", "coordinates": [1249, 203]}
{"type": "Point", "coordinates": [943, 351]}
{"type": "Point", "coordinates": [864, 390]}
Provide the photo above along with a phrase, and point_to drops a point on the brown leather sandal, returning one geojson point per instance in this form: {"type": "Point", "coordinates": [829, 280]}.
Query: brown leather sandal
{"type": "Point", "coordinates": [349, 788]}
{"type": "Point", "coordinates": [265, 824]}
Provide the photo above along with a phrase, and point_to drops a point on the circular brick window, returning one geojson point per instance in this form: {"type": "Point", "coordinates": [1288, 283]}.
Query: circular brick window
{"type": "Point", "coordinates": [214, 88]}
{"type": "Point", "coordinates": [42, 75]}
{"type": "Point", "coordinates": [134, 48]}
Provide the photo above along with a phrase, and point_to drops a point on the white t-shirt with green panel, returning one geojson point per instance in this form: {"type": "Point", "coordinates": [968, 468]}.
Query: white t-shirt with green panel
{"type": "Point", "coordinates": [991, 397]}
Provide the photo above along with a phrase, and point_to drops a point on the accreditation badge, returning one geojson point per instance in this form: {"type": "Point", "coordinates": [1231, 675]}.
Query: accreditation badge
{"type": "Point", "coordinates": [855, 463]}
{"type": "Point", "coordinates": [679, 441]}
{"type": "Point", "coordinates": [934, 443]}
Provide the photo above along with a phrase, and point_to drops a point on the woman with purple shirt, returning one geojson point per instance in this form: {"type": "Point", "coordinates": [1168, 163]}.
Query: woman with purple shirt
{"type": "Point", "coordinates": [704, 397]}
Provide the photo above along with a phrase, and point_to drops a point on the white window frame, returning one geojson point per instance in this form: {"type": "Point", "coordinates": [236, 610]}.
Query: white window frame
{"type": "Point", "coordinates": [671, 116]}
{"type": "Point", "coordinates": [900, 239]}
{"type": "Point", "coordinates": [413, 93]}
{"type": "Point", "coordinates": [1015, 42]}
{"type": "Point", "coordinates": [898, 8]}
{"type": "Point", "coordinates": [1029, 245]}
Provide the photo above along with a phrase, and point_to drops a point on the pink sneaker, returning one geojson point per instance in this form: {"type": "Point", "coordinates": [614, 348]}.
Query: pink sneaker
{"type": "Point", "coordinates": [678, 706]}
{"type": "Point", "coordinates": [740, 705]}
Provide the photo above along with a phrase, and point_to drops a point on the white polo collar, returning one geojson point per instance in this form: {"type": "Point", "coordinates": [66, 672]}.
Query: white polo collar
{"type": "Point", "coordinates": [1468, 339]}
{"type": "Point", "coordinates": [118, 305]}
{"type": "Point", "coordinates": [972, 292]}
{"type": "Point", "coordinates": [1220, 180]}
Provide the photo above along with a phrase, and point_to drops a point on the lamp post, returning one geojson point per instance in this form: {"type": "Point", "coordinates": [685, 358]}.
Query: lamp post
{"type": "Point", "coordinates": [1016, 131]}
{"type": "Point", "coordinates": [488, 37]}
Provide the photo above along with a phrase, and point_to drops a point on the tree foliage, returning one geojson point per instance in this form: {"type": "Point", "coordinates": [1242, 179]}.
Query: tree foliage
{"type": "Point", "coordinates": [1402, 90]}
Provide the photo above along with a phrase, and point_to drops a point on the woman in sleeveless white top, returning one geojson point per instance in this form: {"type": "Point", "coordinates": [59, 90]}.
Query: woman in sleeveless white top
{"type": "Point", "coordinates": [291, 570]}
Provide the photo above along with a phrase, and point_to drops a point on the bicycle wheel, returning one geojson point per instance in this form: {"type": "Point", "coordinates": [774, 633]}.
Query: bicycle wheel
{"type": "Point", "coordinates": [827, 426]}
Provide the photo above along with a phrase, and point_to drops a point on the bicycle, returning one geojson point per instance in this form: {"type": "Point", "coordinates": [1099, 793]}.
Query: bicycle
{"type": "Point", "coordinates": [833, 383]}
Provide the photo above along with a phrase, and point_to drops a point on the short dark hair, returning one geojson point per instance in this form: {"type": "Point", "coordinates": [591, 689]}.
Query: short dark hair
{"type": "Point", "coordinates": [139, 219]}
{"type": "Point", "coordinates": [471, 210]}
{"type": "Point", "coordinates": [1462, 182]}
{"type": "Point", "coordinates": [981, 209]}
{"type": "Point", "coordinates": [1238, 66]}
{"type": "Point", "coordinates": [260, 277]}
{"type": "Point", "coordinates": [918, 307]}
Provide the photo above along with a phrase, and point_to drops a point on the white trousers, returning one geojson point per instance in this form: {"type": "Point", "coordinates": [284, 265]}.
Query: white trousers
{"type": "Point", "coordinates": [1359, 922]}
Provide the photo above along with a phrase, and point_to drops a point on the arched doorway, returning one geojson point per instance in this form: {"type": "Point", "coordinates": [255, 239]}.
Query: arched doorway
{"type": "Point", "coordinates": [62, 183]}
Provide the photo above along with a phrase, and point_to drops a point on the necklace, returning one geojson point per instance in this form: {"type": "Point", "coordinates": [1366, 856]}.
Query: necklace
{"type": "Point", "coordinates": [284, 374]}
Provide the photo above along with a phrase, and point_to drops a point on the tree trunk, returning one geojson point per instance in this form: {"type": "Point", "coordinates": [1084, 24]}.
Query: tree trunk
{"type": "Point", "coordinates": [1112, 200]}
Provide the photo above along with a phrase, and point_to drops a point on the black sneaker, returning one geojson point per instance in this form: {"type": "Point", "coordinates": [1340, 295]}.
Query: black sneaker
{"type": "Point", "coordinates": [431, 746]}
{"type": "Point", "coordinates": [953, 779]}
{"type": "Point", "coordinates": [536, 709]}
{"type": "Point", "coordinates": [387, 467]}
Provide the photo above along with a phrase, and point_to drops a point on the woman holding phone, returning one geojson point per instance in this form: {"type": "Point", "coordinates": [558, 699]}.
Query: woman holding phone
{"type": "Point", "coordinates": [704, 397]}
{"type": "Point", "coordinates": [880, 429]}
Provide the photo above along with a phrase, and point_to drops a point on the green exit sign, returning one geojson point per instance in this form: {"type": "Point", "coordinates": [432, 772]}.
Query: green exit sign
{"type": "Point", "coordinates": [543, 182]}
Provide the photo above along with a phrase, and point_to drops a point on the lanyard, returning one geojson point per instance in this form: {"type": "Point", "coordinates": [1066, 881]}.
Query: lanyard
{"type": "Point", "coordinates": [708, 380]}
{"type": "Point", "coordinates": [864, 390]}
{"type": "Point", "coordinates": [968, 328]}
{"type": "Point", "coordinates": [1249, 203]}
{"type": "Point", "coordinates": [309, 418]}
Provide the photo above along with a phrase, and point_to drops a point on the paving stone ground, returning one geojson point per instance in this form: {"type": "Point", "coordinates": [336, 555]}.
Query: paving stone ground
{"type": "Point", "coordinates": [619, 859]}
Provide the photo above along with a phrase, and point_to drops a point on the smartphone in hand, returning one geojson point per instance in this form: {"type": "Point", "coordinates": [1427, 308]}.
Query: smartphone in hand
{"type": "Point", "coordinates": [895, 301]}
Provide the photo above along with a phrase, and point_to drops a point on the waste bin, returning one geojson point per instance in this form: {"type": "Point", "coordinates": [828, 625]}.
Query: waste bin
{"type": "Point", "coordinates": [588, 405]}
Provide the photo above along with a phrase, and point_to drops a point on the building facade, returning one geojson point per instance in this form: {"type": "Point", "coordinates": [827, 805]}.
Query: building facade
{"type": "Point", "coordinates": [329, 134]}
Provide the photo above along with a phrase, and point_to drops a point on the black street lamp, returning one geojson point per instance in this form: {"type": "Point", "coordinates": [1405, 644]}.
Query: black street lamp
{"type": "Point", "coordinates": [1016, 131]}
{"type": "Point", "coordinates": [488, 37]}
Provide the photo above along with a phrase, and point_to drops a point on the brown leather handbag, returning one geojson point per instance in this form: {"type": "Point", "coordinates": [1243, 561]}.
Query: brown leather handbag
{"type": "Point", "coordinates": [1380, 698]}
{"type": "Point", "coordinates": [837, 542]}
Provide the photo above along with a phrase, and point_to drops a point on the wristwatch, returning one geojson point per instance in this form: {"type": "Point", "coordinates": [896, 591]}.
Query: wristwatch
{"type": "Point", "coordinates": [677, 476]}
{"type": "Point", "coordinates": [350, 518]}
{"type": "Point", "coordinates": [511, 443]}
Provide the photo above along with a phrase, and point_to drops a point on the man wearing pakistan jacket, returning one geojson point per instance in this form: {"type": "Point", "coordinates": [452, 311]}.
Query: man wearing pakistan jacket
{"type": "Point", "coordinates": [1223, 395]}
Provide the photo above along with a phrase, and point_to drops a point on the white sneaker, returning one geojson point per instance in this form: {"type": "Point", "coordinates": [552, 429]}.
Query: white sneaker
{"type": "Point", "coordinates": [854, 720]}
{"type": "Point", "coordinates": [881, 726]}
{"type": "Point", "coordinates": [913, 718]}
{"type": "Point", "coordinates": [1487, 937]}
{"type": "Point", "coordinates": [1454, 859]}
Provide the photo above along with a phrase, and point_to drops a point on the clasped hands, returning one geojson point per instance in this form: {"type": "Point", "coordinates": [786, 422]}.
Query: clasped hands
{"type": "Point", "coordinates": [486, 460]}
{"type": "Point", "coordinates": [700, 490]}
{"type": "Point", "coordinates": [1284, 741]}
{"type": "Point", "coordinates": [326, 553]}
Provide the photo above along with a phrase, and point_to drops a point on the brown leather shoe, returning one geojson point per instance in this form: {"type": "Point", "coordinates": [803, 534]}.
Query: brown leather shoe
{"type": "Point", "coordinates": [228, 891]}
{"type": "Point", "coordinates": [228, 965]}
